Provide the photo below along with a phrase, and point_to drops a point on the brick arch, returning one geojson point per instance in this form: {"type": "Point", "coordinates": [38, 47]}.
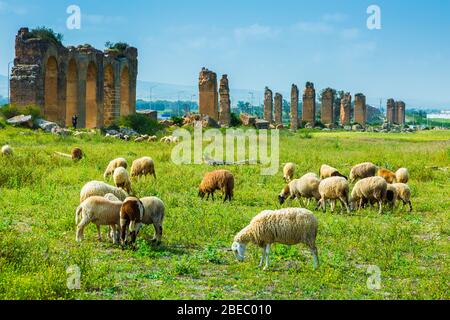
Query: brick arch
{"type": "Point", "coordinates": [91, 96]}
{"type": "Point", "coordinates": [109, 95]}
{"type": "Point", "coordinates": [125, 104]}
{"type": "Point", "coordinates": [51, 111]}
{"type": "Point", "coordinates": [71, 92]}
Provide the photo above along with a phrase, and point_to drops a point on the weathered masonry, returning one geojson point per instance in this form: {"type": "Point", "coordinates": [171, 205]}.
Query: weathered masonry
{"type": "Point", "coordinates": [208, 95]}
{"type": "Point", "coordinates": [96, 86]}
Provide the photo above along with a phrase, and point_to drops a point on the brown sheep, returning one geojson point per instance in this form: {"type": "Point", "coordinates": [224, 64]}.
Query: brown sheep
{"type": "Point", "coordinates": [327, 171]}
{"type": "Point", "coordinates": [77, 154]}
{"type": "Point", "coordinates": [388, 175]}
{"type": "Point", "coordinates": [217, 180]}
{"type": "Point", "coordinates": [131, 214]}
{"type": "Point", "coordinates": [143, 167]}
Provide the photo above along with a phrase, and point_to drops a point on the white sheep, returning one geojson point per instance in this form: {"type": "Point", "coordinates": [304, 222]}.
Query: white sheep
{"type": "Point", "coordinates": [363, 170]}
{"type": "Point", "coordinates": [7, 150]}
{"type": "Point", "coordinates": [404, 194]}
{"type": "Point", "coordinates": [402, 175]}
{"type": "Point", "coordinates": [119, 162]}
{"type": "Point", "coordinates": [369, 190]}
{"type": "Point", "coordinates": [152, 139]}
{"type": "Point", "coordinates": [99, 188]}
{"type": "Point", "coordinates": [327, 171]}
{"type": "Point", "coordinates": [122, 179]}
{"type": "Point", "coordinates": [334, 188]}
{"type": "Point", "coordinates": [143, 167]}
{"type": "Point", "coordinates": [154, 212]}
{"type": "Point", "coordinates": [99, 211]}
{"type": "Point", "coordinates": [289, 171]}
{"type": "Point", "coordinates": [305, 187]}
{"type": "Point", "coordinates": [287, 226]}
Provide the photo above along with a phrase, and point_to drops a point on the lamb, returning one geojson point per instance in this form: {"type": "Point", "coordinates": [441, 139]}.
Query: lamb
{"type": "Point", "coordinates": [7, 150]}
{"type": "Point", "coordinates": [99, 188]}
{"type": "Point", "coordinates": [334, 188]}
{"type": "Point", "coordinates": [154, 212]}
{"type": "Point", "coordinates": [363, 170]}
{"type": "Point", "coordinates": [402, 175]}
{"type": "Point", "coordinates": [122, 179]}
{"type": "Point", "coordinates": [372, 189]}
{"type": "Point", "coordinates": [286, 226]}
{"type": "Point", "coordinates": [387, 175]}
{"type": "Point", "coordinates": [305, 187]}
{"type": "Point", "coordinates": [289, 171]}
{"type": "Point", "coordinates": [99, 211]}
{"type": "Point", "coordinates": [217, 180]}
{"type": "Point", "coordinates": [143, 167]}
{"type": "Point", "coordinates": [119, 162]}
{"type": "Point", "coordinates": [326, 172]}
{"type": "Point", "coordinates": [404, 194]}
{"type": "Point", "coordinates": [131, 214]}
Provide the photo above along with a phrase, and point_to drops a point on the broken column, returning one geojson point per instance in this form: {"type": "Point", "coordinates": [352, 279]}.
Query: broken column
{"type": "Point", "coordinates": [294, 108]}
{"type": "Point", "coordinates": [208, 96]}
{"type": "Point", "coordinates": [360, 109]}
{"type": "Point", "coordinates": [225, 103]}
{"type": "Point", "coordinates": [309, 104]}
{"type": "Point", "coordinates": [326, 110]}
{"type": "Point", "coordinates": [390, 110]}
{"type": "Point", "coordinates": [401, 113]}
{"type": "Point", "coordinates": [278, 109]}
{"type": "Point", "coordinates": [346, 106]}
{"type": "Point", "coordinates": [268, 105]}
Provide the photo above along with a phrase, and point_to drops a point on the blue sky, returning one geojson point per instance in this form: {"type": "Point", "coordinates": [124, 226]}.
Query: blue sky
{"type": "Point", "coordinates": [265, 43]}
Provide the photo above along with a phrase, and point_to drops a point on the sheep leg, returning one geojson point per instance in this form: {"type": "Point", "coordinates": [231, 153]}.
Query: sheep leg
{"type": "Point", "coordinates": [333, 205]}
{"type": "Point", "coordinates": [80, 229]}
{"type": "Point", "coordinates": [99, 234]}
{"type": "Point", "coordinates": [345, 204]}
{"type": "Point", "coordinates": [158, 233]}
{"type": "Point", "coordinates": [323, 205]}
{"type": "Point", "coordinates": [380, 205]}
{"type": "Point", "coordinates": [212, 196]}
{"type": "Point", "coordinates": [410, 206]}
{"type": "Point", "coordinates": [315, 256]}
{"type": "Point", "coordinates": [262, 257]}
{"type": "Point", "coordinates": [267, 257]}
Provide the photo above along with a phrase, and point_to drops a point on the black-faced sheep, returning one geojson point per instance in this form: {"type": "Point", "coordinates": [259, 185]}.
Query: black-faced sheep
{"type": "Point", "coordinates": [99, 188]}
{"type": "Point", "coordinates": [287, 226]}
{"type": "Point", "coordinates": [402, 175]}
{"type": "Point", "coordinates": [289, 171]}
{"type": "Point", "coordinates": [334, 188]}
{"type": "Point", "coordinates": [363, 170]}
{"type": "Point", "coordinates": [327, 171]}
{"type": "Point", "coordinates": [131, 214]}
{"type": "Point", "coordinates": [122, 179]}
{"type": "Point", "coordinates": [142, 167]}
{"type": "Point", "coordinates": [404, 194]}
{"type": "Point", "coordinates": [154, 212]}
{"type": "Point", "coordinates": [217, 180]}
{"type": "Point", "coordinates": [369, 190]}
{"type": "Point", "coordinates": [116, 163]}
{"type": "Point", "coordinates": [305, 187]}
{"type": "Point", "coordinates": [387, 175]}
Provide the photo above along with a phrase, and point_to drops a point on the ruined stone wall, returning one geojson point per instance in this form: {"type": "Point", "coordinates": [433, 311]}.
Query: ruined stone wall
{"type": "Point", "coordinates": [268, 105]}
{"type": "Point", "coordinates": [326, 110]}
{"type": "Point", "coordinates": [66, 81]}
{"type": "Point", "coordinates": [390, 111]}
{"type": "Point", "coordinates": [309, 104]}
{"type": "Point", "coordinates": [278, 119]}
{"type": "Point", "coordinates": [401, 113]}
{"type": "Point", "coordinates": [208, 95]}
{"type": "Point", "coordinates": [360, 110]}
{"type": "Point", "coordinates": [294, 108]}
{"type": "Point", "coordinates": [346, 106]}
{"type": "Point", "coordinates": [225, 103]}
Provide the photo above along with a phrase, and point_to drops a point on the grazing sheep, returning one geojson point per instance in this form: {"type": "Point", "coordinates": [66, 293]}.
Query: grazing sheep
{"type": "Point", "coordinates": [334, 188]}
{"type": "Point", "coordinates": [305, 187]}
{"type": "Point", "coordinates": [139, 139]}
{"type": "Point", "coordinates": [111, 197]}
{"type": "Point", "coordinates": [326, 172]}
{"type": "Point", "coordinates": [287, 226]}
{"type": "Point", "coordinates": [143, 167]}
{"type": "Point", "coordinates": [387, 175]}
{"type": "Point", "coordinates": [7, 150]}
{"type": "Point", "coordinates": [289, 171]}
{"type": "Point", "coordinates": [217, 180]}
{"type": "Point", "coordinates": [99, 211]}
{"type": "Point", "coordinates": [131, 214]}
{"type": "Point", "coordinates": [152, 139]}
{"type": "Point", "coordinates": [154, 212]}
{"type": "Point", "coordinates": [122, 179]}
{"type": "Point", "coordinates": [76, 154]}
{"type": "Point", "coordinates": [402, 175]}
{"type": "Point", "coordinates": [369, 190]}
{"type": "Point", "coordinates": [119, 162]}
{"type": "Point", "coordinates": [170, 139]}
{"type": "Point", "coordinates": [99, 188]}
{"type": "Point", "coordinates": [391, 195]}
{"type": "Point", "coordinates": [363, 170]}
{"type": "Point", "coordinates": [404, 194]}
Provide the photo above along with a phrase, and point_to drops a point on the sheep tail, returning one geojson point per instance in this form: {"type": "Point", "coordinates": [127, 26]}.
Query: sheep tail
{"type": "Point", "coordinates": [77, 214]}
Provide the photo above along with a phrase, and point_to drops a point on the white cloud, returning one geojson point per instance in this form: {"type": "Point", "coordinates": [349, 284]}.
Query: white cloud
{"type": "Point", "coordinates": [334, 17]}
{"type": "Point", "coordinates": [312, 27]}
{"type": "Point", "coordinates": [98, 19]}
{"type": "Point", "coordinates": [255, 31]}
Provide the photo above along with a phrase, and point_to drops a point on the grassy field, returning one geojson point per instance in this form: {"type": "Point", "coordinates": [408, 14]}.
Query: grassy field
{"type": "Point", "coordinates": [39, 193]}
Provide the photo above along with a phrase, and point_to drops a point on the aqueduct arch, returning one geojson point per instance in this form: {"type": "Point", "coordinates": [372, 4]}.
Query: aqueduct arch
{"type": "Point", "coordinates": [51, 89]}
{"type": "Point", "coordinates": [91, 96]}
{"type": "Point", "coordinates": [109, 96]}
{"type": "Point", "coordinates": [72, 92]}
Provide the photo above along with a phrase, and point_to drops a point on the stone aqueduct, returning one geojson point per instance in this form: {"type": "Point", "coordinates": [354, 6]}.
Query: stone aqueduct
{"type": "Point", "coordinates": [96, 86]}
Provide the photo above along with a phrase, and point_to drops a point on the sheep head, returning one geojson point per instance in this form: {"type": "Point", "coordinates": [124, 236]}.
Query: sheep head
{"type": "Point", "coordinates": [239, 250]}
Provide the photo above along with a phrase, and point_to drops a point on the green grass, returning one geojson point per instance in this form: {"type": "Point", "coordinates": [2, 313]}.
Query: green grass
{"type": "Point", "coordinates": [39, 193]}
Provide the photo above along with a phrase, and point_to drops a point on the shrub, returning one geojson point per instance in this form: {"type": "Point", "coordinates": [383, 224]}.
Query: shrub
{"type": "Point", "coordinates": [235, 120]}
{"type": "Point", "coordinates": [45, 34]}
{"type": "Point", "coordinates": [178, 121]}
{"type": "Point", "coordinates": [140, 123]}
{"type": "Point", "coordinates": [9, 111]}
{"type": "Point", "coordinates": [118, 47]}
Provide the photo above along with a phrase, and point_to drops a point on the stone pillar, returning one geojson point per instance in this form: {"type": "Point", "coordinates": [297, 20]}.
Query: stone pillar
{"type": "Point", "coordinates": [294, 108]}
{"type": "Point", "coordinates": [360, 109]}
{"type": "Point", "coordinates": [278, 109]}
{"type": "Point", "coordinates": [401, 113]}
{"type": "Point", "coordinates": [346, 106]}
{"type": "Point", "coordinates": [208, 95]}
{"type": "Point", "coordinates": [225, 103]}
{"type": "Point", "coordinates": [326, 111]}
{"type": "Point", "coordinates": [309, 104]}
{"type": "Point", "coordinates": [390, 109]}
{"type": "Point", "coordinates": [268, 105]}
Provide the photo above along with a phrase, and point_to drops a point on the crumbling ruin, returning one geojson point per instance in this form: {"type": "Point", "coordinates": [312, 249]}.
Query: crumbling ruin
{"type": "Point", "coordinates": [309, 104]}
{"type": "Point", "coordinates": [268, 105]}
{"type": "Point", "coordinates": [390, 111]}
{"type": "Point", "coordinates": [278, 109]}
{"type": "Point", "coordinates": [346, 106]}
{"type": "Point", "coordinates": [401, 112]}
{"type": "Point", "coordinates": [326, 110]}
{"type": "Point", "coordinates": [96, 86]}
{"type": "Point", "coordinates": [208, 95]}
{"type": "Point", "coordinates": [294, 108]}
{"type": "Point", "coordinates": [360, 109]}
{"type": "Point", "coordinates": [225, 103]}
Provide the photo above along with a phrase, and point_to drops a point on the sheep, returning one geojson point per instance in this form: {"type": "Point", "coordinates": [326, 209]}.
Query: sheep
{"type": "Point", "coordinates": [402, 175]}
{"type": "Point", "coordinates": [326, 172]}
{"type": "Point", "coordinates": [363, 170]}
{"type": "Point", "coordinates": [119, 162]}
{"type": "Point", "coordinates": [286, 226]}
{"type": "Point", "coordinates": [154, 212]}
{"type": "Point", "coordinates": [152, 139]}
{"type": "Point", "coordinates": [391, 195]}
{"type": "Point", "coordinates": [169, 139]}
{"type": "Point", "coordinates": [305, 187]}
{"type": "Point", "coordinates": [217, 180]}
{"type": "Point", "coordinates": [131, 214]}
{"type": "Point", "coordinates": [7, 150]}
{"type": "Point", "coordinates": [387, 175]}
{"type": "Point", "coordinates": [334, 188]}
{"type": "Point", "coordinates": [404, 194]}
{"type": "Point", "coordinates": [99, 188]}
{"type": "Point", "coordinates": [372, 189]}
{"type": "Point", "coordinates": [122, 179]}
{"type": "Point", "coordinates": [289, 171]}
{"type": "Point", "coordinates": [139, 139]}
{"type": "Point", "coordinates": [99, 211]}
{"type": "Point", "coordinates": [111, 197]}
{"type": "Point", "coordinates": [143, 167]}
{"type": "Point", "coordinates": [76, 154]}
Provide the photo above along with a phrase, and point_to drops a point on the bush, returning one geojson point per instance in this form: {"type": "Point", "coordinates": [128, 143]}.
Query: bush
{"type": "Point", "coordinates": [140, 123]}
{"type": "Point", "coordinates": [178, 121]}
{"type": "Point", "coordinates": [45, 34]}
{"type": "Point", "coordinates": [9, 111]}
{"type": "Point", "coordinates": [235, 120]}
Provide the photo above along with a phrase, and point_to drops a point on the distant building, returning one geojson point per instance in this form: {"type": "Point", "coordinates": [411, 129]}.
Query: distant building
{"type": "Point", "coordinates": [445, 114]}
